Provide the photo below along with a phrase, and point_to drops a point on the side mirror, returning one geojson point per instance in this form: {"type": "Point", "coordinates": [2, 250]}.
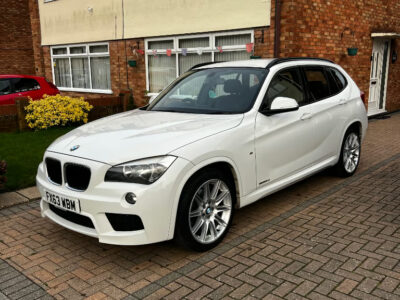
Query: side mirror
{"type": "Point", "coordinates": [281, 105]}
{"type": "Point", "coordinates": [153, 97]}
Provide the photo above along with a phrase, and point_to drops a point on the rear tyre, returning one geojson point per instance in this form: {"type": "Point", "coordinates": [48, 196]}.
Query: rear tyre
{"type": "Point", "coordinates": [349, 154]}
{"type": "Point", "coordinates": [205, 210]}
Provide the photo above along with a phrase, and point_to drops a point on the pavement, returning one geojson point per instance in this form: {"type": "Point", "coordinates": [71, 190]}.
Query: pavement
{"type": "Point", "coordinates": [21, 196]}
{"type": "Point", "coordinates": [323, 238]}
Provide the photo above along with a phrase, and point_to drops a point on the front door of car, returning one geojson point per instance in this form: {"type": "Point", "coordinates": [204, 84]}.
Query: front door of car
{"type": "Point", "coordinates": [284, 142]}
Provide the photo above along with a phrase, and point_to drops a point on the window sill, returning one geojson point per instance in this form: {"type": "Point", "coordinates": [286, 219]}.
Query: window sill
{"type": "Point", "coordinates": [85, 91]}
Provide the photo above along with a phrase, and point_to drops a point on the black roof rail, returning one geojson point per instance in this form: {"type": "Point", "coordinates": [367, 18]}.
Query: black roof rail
{"type": "Point", "coordinates": [278, 61]}
{"type": "Point", "coordinates": [205, 64]}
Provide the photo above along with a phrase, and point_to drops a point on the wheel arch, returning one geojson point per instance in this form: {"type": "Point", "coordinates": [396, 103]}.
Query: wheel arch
{"type": "Point", "coordinates": [356, 126]}
{"type": "Point", "coordinates": [223, 163]}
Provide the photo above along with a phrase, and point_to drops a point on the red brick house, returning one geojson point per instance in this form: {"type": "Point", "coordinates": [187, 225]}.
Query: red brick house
{"type": "Point", "coordinates": [95, 48]}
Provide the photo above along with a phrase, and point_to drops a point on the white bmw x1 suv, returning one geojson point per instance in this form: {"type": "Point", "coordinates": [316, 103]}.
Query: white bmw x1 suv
{"type": "Point", "coordinates": [220, 137]}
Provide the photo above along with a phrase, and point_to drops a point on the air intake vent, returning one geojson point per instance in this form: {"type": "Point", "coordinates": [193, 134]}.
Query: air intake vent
{"type": "Point", "coordinates": [53, 167]}
{"type": "Point", "coordinates": [72, 217]}
{"type": "Point", "coordinates": [77, 176]}
{"type": "Point", "coordinates": [120, 222]}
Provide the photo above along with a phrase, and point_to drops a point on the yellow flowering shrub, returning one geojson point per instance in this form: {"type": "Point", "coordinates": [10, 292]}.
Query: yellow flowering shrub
{"type": "Point", "coordinates": [56, 111]}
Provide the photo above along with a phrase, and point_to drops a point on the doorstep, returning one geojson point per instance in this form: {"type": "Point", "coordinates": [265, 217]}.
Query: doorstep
{"type": "Point", "coordinates": [22, 196]}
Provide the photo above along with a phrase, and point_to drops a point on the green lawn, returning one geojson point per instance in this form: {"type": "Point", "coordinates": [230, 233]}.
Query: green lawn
{"type": "Point", "coordinates": [23, 152]}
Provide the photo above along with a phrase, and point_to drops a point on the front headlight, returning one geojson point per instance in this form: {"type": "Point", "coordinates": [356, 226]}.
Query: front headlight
{"type": "Point", "coordinates": [144, 171]}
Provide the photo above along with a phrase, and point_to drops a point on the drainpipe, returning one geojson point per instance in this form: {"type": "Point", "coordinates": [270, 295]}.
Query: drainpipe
{"type": "Point", "coordinates": [277, 42]}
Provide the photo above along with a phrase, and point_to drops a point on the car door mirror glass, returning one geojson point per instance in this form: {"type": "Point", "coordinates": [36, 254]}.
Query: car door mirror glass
{"type": "Point", "coordinates": [281, 105]}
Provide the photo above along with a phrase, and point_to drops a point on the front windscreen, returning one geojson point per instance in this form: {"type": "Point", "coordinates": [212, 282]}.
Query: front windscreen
{"type": "Point", "coordinates": [212, 91]}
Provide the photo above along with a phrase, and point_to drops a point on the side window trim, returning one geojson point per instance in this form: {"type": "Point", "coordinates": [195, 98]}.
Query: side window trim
{"type": "Point", "coordinates": [309, 97]}
{"type": "Point", "coordinates": [328, 77]}
{"type": "Point", "coordinates": [303, 86]}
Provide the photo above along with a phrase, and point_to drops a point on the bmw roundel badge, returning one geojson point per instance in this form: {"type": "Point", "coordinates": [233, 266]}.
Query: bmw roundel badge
{"type": "Point", "coordinates": [73, 148]}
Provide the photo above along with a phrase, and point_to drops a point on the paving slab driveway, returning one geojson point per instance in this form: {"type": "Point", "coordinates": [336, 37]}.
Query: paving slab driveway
{"type": "Point", "coordinates": [323, 238]}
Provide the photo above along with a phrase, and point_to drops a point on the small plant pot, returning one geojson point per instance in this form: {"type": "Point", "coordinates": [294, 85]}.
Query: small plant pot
{"type": "Point", "coordinates": [352, 51]}
{"type": "Point", "coordinates": [132, 63]}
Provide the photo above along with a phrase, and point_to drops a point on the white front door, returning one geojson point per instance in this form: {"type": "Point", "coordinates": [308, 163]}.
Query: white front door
{"type": "Point", "coordinates": [379, 74]}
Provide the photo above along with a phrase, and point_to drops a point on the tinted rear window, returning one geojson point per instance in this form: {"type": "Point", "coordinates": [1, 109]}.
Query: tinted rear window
{"type": "Point", "coordinates": [339, 79]}
{"type": "Point", "coordinates": [5, 87]}
{"type": "Point", "coordinates": [317, 83]}
{"type": "Point", "coordinates": [25, 85]}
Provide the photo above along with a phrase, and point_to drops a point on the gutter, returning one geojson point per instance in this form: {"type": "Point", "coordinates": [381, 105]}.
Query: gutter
{"type": "Point", "coordinates": [277, 42]}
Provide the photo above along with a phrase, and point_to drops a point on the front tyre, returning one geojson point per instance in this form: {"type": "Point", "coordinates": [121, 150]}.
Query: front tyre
{"type": "Point", "coordinates": [349, 155]}
{"type": "Point", "coordinates": [205, 210]}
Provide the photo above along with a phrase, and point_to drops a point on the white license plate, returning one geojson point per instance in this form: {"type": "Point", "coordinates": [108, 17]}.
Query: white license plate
{"type": "Point", "coordinates": [63, 202]}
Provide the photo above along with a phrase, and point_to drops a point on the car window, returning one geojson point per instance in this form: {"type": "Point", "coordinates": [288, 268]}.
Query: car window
{"type": "Point", "coordinates": [286, 83]}
{"type": "Point", "coordinates": [317, 83]}
{"type": "Point", "coordinates": [339, 79]}
{"type": "Point", "coordinates": [25, 84]}
{"type": "Point", "coordinates": [5, 87]}
{"type": "Point", "coordinates": [334, 88]}
{"type": "Point", "coordinates": [215, 90]}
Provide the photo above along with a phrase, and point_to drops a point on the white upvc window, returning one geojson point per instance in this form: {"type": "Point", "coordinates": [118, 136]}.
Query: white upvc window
{"type": "Point", "coordinates": [190, 50]}
{"type": "Point", "coordinates": [82, 68]}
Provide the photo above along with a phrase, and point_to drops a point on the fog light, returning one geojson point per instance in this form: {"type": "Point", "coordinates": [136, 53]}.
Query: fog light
{"type": "Point", "coordinates": [130, 198]}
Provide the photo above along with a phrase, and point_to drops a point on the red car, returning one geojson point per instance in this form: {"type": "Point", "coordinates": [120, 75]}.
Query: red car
{"type": "Point", "coordinates": [12, 86]}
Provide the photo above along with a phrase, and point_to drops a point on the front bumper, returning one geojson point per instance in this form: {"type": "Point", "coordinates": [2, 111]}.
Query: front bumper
{"type": "Point", "coordinates": [154, 205]}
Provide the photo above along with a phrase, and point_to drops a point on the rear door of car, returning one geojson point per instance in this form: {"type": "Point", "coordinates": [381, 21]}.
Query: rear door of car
{"type": "Point", "coordinates": [328, 106]}
{"type": "Point", "coordinates": [27, 87]}
{"type": "Point", "coordinates": [6, 91]}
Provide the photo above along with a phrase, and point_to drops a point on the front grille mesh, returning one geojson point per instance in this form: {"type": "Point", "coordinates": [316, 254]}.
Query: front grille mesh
{"type": "Point", "coordinates": [53, 167]}
{"type": "Point", "coordinates": [77, 176]}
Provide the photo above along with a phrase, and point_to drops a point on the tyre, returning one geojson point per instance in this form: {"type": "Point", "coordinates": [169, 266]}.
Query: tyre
{"type": "Point", "coordinates": [349, 154]}
{"type": "Point", "coordinates": [205, 210]}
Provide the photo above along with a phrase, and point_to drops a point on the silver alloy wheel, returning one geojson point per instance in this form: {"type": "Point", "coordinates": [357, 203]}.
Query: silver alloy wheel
{"type": "Point", "coordinates": [210, 211]}
{"type": "Point", "coordinates": [351, 152]}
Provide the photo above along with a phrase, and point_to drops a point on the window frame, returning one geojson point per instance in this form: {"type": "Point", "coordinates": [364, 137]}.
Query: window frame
{"type": "Point", "coordinates": [178, 51]}
{"type": "Point", "coordinates": [87, 55]}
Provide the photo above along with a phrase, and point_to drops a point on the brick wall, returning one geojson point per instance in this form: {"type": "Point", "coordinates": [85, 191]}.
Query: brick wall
{"type": "Point", "coordinates": [313, 28]}
{"type": "Point", "coordinates": [16, 53]}
{"type": "Point", "coordinates": [36, 37]}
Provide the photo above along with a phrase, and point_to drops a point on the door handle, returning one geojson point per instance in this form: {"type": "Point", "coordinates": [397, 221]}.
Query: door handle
{"type": "Point", "coordinates": [342, 101]}
{"type": "Point", "coordinates": [306, 116]}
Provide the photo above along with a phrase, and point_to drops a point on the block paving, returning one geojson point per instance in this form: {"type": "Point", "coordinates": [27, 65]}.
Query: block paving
{"type": "Point", "coordinates": [323, 238]}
